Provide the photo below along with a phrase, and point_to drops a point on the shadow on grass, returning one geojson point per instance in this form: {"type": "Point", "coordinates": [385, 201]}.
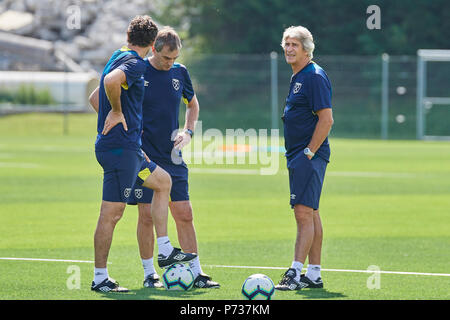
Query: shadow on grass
{"type": "Point", "coordinates": [154, 294]}
{"type": "Point", "coordinates": [320, 294]}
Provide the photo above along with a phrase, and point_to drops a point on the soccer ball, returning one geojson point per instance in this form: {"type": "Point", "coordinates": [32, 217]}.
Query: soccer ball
{"type": "Point", "coordinates": [178, 277]}
{"type": "Point", "coordinates": [258, 287]}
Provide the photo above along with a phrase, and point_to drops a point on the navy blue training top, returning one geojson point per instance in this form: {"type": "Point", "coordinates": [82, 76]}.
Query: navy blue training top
{"type": "Point", "coordinates": [164, 90]}
{"type": "Point", "coordinates": [131, 98]}
{"type": "Point", "coordinates": [309, 91]}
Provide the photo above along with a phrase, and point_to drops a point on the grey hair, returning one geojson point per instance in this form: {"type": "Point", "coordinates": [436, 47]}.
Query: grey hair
{"type": "Point", "coordinates": [167, 36]}
{"type": "Point", "coordinates": [301, 34]}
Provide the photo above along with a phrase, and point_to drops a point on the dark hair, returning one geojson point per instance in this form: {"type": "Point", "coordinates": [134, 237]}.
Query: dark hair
{"type": "Point", "coordinates": [142, 31]}
{"type": "Point", "coordinates": [167, 37]}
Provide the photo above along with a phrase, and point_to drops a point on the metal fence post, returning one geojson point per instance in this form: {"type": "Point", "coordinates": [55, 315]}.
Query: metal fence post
{"type": "Point", "coordinates": [421, 74]}
{"type": "Point", "coordinates": [66, 104]}
{"type": "Point", "coordinates": [274, 88]}
{"type": "Point", "coordinates": [384, 96]}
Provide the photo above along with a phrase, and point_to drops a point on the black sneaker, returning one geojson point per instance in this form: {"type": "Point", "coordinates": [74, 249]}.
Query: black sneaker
{"type": "Point", "coordinates": [306, 282]}
{"type": "Point", "coordinates": [152, 281]}
{"type": "Point", "coordinates": [108, 285]}
{"type": "Point", "coordinates": [175, 257]}
{"type": "Point", "coordinates": [288, 281]}
{"type": "Point", "coordinates": [204, 281]}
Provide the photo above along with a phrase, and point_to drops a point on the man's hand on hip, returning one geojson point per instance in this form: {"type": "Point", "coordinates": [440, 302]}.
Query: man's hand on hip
{"type": "Point", "coordinates": [113, 119]}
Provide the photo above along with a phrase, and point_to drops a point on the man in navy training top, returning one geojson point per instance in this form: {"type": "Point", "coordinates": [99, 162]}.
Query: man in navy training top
{"type": "Point", "coordinates": [167, 83]}
{"type": "Point", "coordinates": [307, 120]}
{"type": "Point", "coordinates": [118, 151]}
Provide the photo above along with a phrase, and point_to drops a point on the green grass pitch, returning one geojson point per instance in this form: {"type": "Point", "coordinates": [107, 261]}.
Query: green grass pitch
{"type": "Point", "coordinates": [384, 204]}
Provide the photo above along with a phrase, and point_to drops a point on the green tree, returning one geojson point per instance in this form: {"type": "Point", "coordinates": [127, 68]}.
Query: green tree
{"type": "Point", "coordinates": [338, 26]}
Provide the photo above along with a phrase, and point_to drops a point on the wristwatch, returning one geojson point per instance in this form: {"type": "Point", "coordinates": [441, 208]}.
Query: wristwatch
{"type": "Point", "coordinates": [308, 152]}
{"type": "Point", "coordinates": [191, 133]}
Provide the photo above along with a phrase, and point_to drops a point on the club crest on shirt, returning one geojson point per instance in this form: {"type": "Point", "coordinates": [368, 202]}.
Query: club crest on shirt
{"type": "Point", "coordinates": [176, 84]}
{"type": "Point", "coordinates": [138, 193]}
{"type": "Point", "coordinates": [297, 87]}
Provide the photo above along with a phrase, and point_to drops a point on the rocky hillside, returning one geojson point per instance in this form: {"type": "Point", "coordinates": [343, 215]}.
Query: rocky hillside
{"type": "Point", "coordinates": [87, 31]}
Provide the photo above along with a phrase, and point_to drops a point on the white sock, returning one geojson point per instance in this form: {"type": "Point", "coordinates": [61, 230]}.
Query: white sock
{"type": "Point", "coordinates": [164, 246]}
{"type": "Point", "coordinates": [313, 271]}
{"type": "Point", "coordinates": [149, 268]}
{"type": "Point", "coordinates": [100, 274]}
{"type": "Point", "coordinates": [195, 267]}
{"type": "Point", "coordinates": [298, 266]}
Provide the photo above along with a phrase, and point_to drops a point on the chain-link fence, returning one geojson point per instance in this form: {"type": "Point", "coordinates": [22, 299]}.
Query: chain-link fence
{"type": "Point", "coordinates": [372, 97]}
{"type": "Point", "coordinates": [235, 92]}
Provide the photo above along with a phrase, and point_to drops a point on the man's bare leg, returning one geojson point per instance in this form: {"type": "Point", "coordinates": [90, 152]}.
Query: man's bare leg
{"type": "Point", "coordinates": [110, 214]}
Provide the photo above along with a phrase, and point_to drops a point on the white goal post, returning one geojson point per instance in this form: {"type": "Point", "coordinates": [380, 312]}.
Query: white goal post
{"type": "Point", "coordinates": [423, 100]}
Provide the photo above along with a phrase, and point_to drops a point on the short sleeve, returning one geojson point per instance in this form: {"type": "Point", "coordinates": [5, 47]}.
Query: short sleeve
{"type": "Point", "coordinates": [188, 89]}
{"type": "Point", "coordinates": [133, 69]}
{"type": "Point", "coordinates": [319, 92]}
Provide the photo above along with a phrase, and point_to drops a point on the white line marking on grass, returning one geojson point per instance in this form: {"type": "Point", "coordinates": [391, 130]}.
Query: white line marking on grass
{"type": "Point", "coordinates": [250, 267]}
{"type": "Point", "coordinates": [356, 174]}
{"type": "Point", "coordinates": [225, 171]}
{"type": "Point", "coordinates": [47, 260]}
{"type": "Point", "coordinates": [338, 270]}
{"type": "Point", "coordinates": [368, 174]}
{"type": "Point", "coordinates": [22, 165]}
{"type": "Point", "coordinates": [46, 148]}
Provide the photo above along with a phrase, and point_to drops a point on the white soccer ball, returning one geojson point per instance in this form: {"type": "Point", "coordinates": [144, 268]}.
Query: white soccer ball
{"type": "Point", "coordinates": [178, 277]}
{"type": "Point", "coordinates": [258, 287]}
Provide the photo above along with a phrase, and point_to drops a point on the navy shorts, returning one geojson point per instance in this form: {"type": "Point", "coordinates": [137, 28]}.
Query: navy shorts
{"type": "Point", "coordinates": [306, 180]}
{"type": "Point", "coordinates": [122, 168]}
{"type": "Point", "coordinates": [180, 186]}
